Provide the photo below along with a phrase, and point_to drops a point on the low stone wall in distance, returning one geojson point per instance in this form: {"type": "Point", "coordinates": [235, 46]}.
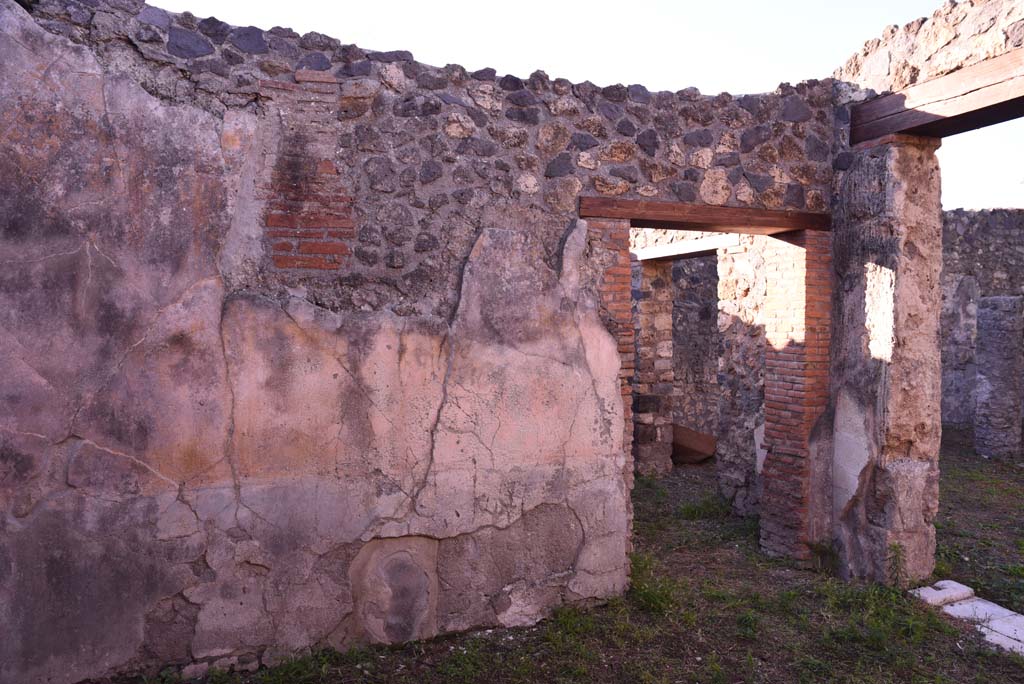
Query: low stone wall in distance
{"type": "Point", "coordinates": [983, 270]}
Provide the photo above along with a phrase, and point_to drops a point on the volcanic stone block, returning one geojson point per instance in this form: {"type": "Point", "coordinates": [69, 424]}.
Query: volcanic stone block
{"type": "Point", "coordinates": [182, 43]}
{"type": "Point", "coordinates": [1000, 390]}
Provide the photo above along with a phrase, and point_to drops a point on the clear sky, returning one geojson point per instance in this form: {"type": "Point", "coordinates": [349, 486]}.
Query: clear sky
{"type": "Point", "coordinates": [738, 46]}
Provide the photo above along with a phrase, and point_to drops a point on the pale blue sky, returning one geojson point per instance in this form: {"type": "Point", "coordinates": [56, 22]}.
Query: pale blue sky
{"type": "Point", "coordinates": [739, 46]}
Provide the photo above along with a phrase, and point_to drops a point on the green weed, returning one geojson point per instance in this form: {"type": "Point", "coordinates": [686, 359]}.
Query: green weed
{"type": "Point", "coordinates": [651, 591]}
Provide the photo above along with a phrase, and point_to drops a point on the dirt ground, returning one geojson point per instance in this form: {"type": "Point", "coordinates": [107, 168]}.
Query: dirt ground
{"type": "Point", "coordinates": [706, 607]}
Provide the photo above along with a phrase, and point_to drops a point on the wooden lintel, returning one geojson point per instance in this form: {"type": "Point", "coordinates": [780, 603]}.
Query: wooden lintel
{"type": "Point", "coordinates": [702, 217]}
{"type": "Point", "coordinates": [687, 249]}
{"type": "Point", "coordinates": [983, 94]}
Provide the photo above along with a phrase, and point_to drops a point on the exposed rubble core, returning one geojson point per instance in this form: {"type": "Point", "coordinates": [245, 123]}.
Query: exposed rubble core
{"type": "Point", "coordinates": [418, 151]}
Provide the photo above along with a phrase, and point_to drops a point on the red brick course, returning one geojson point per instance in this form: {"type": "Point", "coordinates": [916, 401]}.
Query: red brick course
{"type": "Point", "coordinates": [308, 224]}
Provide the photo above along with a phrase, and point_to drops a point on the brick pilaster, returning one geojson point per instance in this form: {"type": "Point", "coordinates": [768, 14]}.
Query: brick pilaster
{"type": "Point", "coordinates": [798, 328]}
{"type": "Point", "coordinates": [652, 403]}
{"type": "Point", "coordinates": [609, 238]}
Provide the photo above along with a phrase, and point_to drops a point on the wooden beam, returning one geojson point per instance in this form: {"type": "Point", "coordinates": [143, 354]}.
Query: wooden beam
{"type": "Point", "coordinates": [690, 446]}
{"type": "Point", "coordinates": [983, 94]}
{"type": "Point", "coordinates": [687, 249]}
{"type": "Point", "coordinates": [702, 217]}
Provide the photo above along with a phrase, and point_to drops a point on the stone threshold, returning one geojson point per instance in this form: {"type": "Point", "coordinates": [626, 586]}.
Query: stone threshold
{"type": "Point", "coordinates": [1000, 626]}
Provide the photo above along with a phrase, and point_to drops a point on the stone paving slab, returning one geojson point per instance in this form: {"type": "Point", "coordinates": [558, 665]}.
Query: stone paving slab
{"type": "Point", "coordinates": [943, 593]}
{"type": "Point", "coordinates": [976, 610]}
{"type": "Point", "coordinates": [1000, 626]}
{"type": "Point", "coordinates": [1002, 640]}
{"type": "Point", "coordinates": [1011, 626]}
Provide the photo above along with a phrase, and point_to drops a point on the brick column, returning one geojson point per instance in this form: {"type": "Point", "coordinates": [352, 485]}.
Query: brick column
{"type": "Point", "coordinates": [652, 403]}
{"type": "Point", "coordinates": [797, 330]}
{"type": "Point", "coordinates": [609, 240]}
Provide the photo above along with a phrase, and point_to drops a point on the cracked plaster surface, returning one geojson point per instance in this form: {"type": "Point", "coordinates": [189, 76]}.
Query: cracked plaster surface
{"type": "Point", "coordinates": [221, 473]}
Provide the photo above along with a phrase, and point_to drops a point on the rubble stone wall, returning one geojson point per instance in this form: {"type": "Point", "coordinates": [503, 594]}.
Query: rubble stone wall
{"type": "Point", "coordinates": [999, 409]}
{"type": "Point", "coordinates": [958, 34]}
{"type": "Point", "coordinates": [716, 313]}
{"type": "Point", "coordinates": [982, 257]}
{"type": "Point", "coordinates": [772, 308]}
{"type": "Point", "coordinates": [742, 293]}
{"type": "Point", "coordinates": [695, 343]}
{"type": "Point", "coordinates": [303, 344]}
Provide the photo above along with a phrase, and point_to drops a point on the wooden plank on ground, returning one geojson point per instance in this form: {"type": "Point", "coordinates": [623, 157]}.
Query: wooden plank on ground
{"type": "Point", "coordinates": [702, 217]}
{"type": "Point", "coordinates": [986, 93]}
{"type": "Point", "coordinates": [691, 446]}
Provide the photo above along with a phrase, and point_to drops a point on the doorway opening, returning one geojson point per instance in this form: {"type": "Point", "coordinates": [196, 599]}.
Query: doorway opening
{"type": "Point", "coordinates": [765, 420]}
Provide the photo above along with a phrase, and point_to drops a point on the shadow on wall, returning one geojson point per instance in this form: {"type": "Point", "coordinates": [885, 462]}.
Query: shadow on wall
{"type": "Point", "coordinates": [779, 470]}
{"type": "Point", "coordinates": [695, 339]}
{"type": "Point", "coordinates": [771, 303]}
{"type": "Point", "coordinates": [739, 459]}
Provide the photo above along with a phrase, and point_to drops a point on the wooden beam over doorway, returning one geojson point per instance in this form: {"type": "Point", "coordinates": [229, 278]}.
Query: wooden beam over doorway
{"type": "Point", "coordinates": [702, 217]}
{"type": "Point", "coordinates": [983, 94]}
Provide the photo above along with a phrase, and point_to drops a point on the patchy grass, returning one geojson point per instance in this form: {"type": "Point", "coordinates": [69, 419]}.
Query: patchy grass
{"type": "Point", "coordinates": [981, 523]}
{"type": "Point", "coordinates": [704, 608]}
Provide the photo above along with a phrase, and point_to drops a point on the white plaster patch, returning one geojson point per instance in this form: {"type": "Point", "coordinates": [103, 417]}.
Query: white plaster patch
{"type": "Point", "coordinates": [852, 451]}
{"type": "Point", "coordinates": [879, 313]}
{"type": "Point", "coordinates": [760, 452]}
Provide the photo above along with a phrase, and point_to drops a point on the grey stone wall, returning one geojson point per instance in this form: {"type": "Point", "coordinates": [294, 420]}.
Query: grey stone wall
{"type": "Point", "coordinates": [999, 411]}
{"type": "Point", "coordinates": [958, 336]}
{"type": "Point", "coordinates": [987, 245]}
{"type": "Point", "coordinates": [695, 343]}
{"type": "Point", "coordinates": [982, 256]}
